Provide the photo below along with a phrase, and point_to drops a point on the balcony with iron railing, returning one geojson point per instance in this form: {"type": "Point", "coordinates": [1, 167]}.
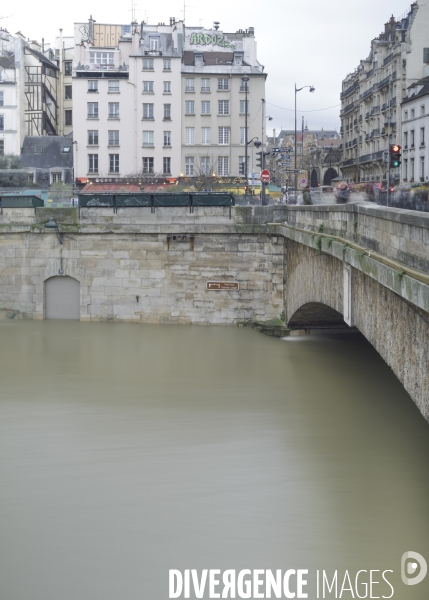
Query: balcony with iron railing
{"type": "Point", "coordinates": [375, 133]}
{"type": "Point", "coordinates": [375, 110]}
{"type": "Point", "coordinates": [349, 90]}
{"type": "Point", "coordinates": [99, 68]}
{"type": "Point", "coordinates": [349, 162]}
{"type": "Point", "coordinates": [348, 108]}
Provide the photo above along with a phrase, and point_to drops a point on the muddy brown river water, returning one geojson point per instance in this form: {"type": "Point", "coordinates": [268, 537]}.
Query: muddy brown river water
{"type": "Point", "coordinates": [129, 450]}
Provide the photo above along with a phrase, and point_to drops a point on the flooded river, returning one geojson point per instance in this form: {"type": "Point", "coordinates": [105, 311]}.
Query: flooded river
{"type": "Point", "coordinates": [126, 451]}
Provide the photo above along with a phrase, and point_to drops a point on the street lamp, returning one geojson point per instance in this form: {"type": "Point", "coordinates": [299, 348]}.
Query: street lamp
{"type": "Point", "coordinates": [311, 89]}
{"type": "Point", "coordinates": [52, 224]}
{"type": "Point", "coordinates": [245, 79]}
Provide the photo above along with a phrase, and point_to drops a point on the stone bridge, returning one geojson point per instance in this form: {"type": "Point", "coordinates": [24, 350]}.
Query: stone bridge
{"type": "Point", "coordinates": [357, 265]}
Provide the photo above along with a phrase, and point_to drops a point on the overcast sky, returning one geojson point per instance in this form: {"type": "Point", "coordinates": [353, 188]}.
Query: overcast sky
{"type": "Point", "coordinates": [309, 42]}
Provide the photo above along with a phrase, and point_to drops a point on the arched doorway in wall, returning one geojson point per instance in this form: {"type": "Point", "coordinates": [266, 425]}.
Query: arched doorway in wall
{"type": "Point", "coordinates": [329, 176]}
{"type": "Point", "coordinates": [62, 298]}
{"type": "Point", "coordinates": [314, 179]}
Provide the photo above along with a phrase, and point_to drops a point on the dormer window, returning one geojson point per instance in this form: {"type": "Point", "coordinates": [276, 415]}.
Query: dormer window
{"type": "Point", "coordinates": [199, 60]}
{"type": "Point", "coordinates": [238, 59]}
{"type": "Point", "coordinates": [154, 43]}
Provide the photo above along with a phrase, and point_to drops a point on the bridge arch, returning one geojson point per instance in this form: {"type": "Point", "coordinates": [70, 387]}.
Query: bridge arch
{"type": "Point", "coordinates": [318, 289]}
{"type": "Point", "coordinates": [317, 315]}
{"type": "Point", "coordinates": [62, 297]}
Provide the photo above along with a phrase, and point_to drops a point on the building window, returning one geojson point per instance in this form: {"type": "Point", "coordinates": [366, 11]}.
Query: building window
{"type": "Point", "coordinates": [166, 165]}
{"type": "Point", "coordinates": [189, 84]}
{"type": "Point", "coordinates": [68, 92]}
{"type": "Point", "coordinates": [199, 60]}
{"type": "Point", "coordinates": [205, 108]}
{"type": "Point", "coordinates": [223, 165]}
{"type": "Point", "coordinates": [243, 107]}
{"type": "Point", "coordinates": [243, 85]}
{"type": "Point", "coordinates": [92, 110]}
{"type": "Point", "coordinates": [422, 168]}
{"type": "Point", "coordinates": [92, 163]}
{"type": "Point", "coordinates": [405, 115]}
{"type": "Point", "coordinates": [406, 169]}
{"type": "Point", "coordinates": [205, 165]}
{"type": "Point", "coordinates": [223, 137]}
{"type": "Point", "coordinates": [167, 64]}
{"type": "Point", "coordinates": [189, 107]}
{"type": "Point", "coordinates": [113, 85]}
{"type": "Point", "coordinates": [92, 137]}
{"type": "Point", "coordinates": [189, 166]}
{"type": "Point", "coordinates": [113, 163]}
{"type": "Point", "coordinates": [205, 85]}
{"type": "Point", "coordinates": [101, 58]}
{"type": "Point", "coordinates": [422, 136]}
{"type": "Point", "coordinates": [113, 110]}
{"type": "Point", "coordinates": [223, 84]}
{"type": "Point", "coordinates": [167, 111]}
{"type": "Point", "coordinates": [223, 107]}
{"type": "Point", "coordinates": [148, 164]}
{"type": "Point", "coordinates": [412, 169]}
{"type": "Point", "coordinates": [205, 135]}
{"type": "Point", "coordinates": [148, 138]}
{"type": "Point", "coordinates": [113, 137]}
{"type": "Point", "coordinates": [68, 68]}
{"type": "Point", "coordinates": [238, 59]}
{"type": "Point", "coordinates": [190, 135]}
{"type": "Point", "coordinates": [243, 135]}
{"type": "Point", "coordinates": [167, 138]}
{"type": "Point", "coordinates": [412, 113]}
{"type": "Point", "coordinates": [148, 64]}
{"type": "Point", "coordinates": [68, 117]}
{"type": "Point", "coordinates": [154, 43]}
{"type": "Point", "coordinates": [412, 138]}
{"type": "Point", "coordinates": [422, 109]}
{"type": "Point", "coordinates": [241, 165]}
{"type": "Point", "coordinates": [405, 139]}
{"type": "Point", "coordinates": [1, 147]}
{"type": "Point", "coordinates": [57, 177]}
{"type": "Point", "coordinates": [1, 98]}
{"type": "Point", "coordinates": [148, 87]}
{"type": "Point", "coordinates": [167, 87]}
{"type": "Point", "coordinates": [92, 85]}
{"type": "Point", "coordinates": [147, 111]}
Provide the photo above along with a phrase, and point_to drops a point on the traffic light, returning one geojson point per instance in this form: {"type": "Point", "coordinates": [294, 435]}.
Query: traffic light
{"type": "Point", "coordinates": [260, 160]}
{"type": "Point", "coordinates": [395, 155]}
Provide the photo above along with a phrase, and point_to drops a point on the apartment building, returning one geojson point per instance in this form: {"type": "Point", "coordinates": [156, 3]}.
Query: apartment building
{"type": "Point", "coordinates": [415, 130]}
{"type": "Point", "coordinates": [64, 56]}
{"type": "Point", "coordinates": [214, 102]}
{"type": "Point", "coordinates": [28, 91]}
{"type": "Point", "coordinates": [127, 99]}
{"type": "Point", "coordinates": [372, 95]}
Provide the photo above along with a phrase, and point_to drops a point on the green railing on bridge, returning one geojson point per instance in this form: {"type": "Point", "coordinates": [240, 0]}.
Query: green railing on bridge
{"type": "Point", "coordinates": [156, 200]}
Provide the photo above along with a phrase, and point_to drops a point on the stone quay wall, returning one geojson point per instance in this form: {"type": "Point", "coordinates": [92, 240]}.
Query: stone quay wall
{"type": "Point", "coordinates": [140, 267]}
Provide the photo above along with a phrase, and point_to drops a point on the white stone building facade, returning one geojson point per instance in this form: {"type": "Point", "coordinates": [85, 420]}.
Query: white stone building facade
{"type": "Point", "coordinates": [372, 95]}
{"type": "Point", "coordinates": [126, 100]}
{"type": "Point", "coordinates": [214, 102]}
{"type": "Point", "coordinates": [415, 130]}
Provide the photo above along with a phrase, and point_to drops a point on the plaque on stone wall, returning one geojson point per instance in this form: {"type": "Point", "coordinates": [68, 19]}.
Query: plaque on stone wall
{"type": "Point", "coordinates": [223, 285]}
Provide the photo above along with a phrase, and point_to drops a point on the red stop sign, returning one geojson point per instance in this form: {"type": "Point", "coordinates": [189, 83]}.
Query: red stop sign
{"type": "Point", "coordinates": [265, 176]}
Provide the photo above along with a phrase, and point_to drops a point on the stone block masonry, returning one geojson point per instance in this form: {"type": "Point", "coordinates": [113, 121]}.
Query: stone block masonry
{"type": "Point", "coordinates": [141, 273]}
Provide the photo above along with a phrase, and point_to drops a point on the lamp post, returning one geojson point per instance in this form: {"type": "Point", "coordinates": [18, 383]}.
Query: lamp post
{"type": "Point", "coordinates": [245, 79]}
{"type": "Point", "coordinates": [312, 89]}
{"type": "Point", "coordinates": [52, 224]}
